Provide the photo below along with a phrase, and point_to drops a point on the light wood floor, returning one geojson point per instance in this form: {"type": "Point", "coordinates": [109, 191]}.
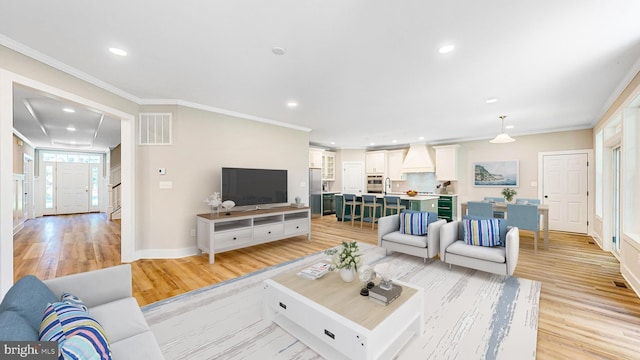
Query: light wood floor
{"type": "Point", "coordinates": [583, 315]}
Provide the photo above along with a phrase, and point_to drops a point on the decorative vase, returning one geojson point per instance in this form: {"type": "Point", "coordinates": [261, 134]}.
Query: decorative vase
{"type": "Point", "coordinates": [347, 274]}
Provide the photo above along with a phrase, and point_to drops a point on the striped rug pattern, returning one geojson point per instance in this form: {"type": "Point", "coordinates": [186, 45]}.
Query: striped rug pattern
{"type": "Point", "coordinates": [468, 315]}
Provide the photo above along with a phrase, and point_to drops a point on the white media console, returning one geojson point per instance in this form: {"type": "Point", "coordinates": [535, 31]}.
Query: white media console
{"type": "Point", "coordinates": [220, 232]}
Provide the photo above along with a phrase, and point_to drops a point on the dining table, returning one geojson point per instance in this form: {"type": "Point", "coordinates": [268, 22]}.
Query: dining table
{"type": "Point", "coordinates": [543, 210]}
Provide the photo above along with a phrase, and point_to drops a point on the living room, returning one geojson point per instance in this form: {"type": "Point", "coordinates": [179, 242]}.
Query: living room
{"type": "Point", "coordinates": [157, 223]}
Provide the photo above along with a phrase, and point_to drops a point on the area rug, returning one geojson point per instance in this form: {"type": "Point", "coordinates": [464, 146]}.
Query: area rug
{"type": "Point", "coordinates": [468, 315]}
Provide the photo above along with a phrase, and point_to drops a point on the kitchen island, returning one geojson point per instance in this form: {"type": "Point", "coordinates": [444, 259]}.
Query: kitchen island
{"type": "Point", "coordinates": [417, 203]}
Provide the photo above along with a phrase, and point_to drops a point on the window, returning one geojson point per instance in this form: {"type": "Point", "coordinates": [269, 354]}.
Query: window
{"type": "Point", "coordinates": [94, 186]}
{"type": "Point", "coordinates": [48, 186]}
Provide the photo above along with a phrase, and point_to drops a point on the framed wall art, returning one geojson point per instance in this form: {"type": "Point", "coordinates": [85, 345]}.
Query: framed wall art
{"type": "Point", "coordinates": [496, 173]}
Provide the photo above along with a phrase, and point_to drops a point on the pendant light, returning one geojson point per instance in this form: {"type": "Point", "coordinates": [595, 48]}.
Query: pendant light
{"type": "Point", "coordinates": [503, 137]}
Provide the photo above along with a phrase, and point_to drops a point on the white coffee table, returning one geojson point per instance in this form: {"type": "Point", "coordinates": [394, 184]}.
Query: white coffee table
{"type": "Point", "coordinates": [332, 318]}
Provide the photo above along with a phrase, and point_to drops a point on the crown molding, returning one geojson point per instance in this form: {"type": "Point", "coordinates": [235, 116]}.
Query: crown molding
{"type": "Point", "coordinates": [48, 60]}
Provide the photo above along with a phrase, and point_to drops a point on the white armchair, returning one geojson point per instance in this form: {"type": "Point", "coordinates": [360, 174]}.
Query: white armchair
{"type": "Point", "coordinates": [425, 246]}
{"type": "Point", "coordinates": [496, 259]}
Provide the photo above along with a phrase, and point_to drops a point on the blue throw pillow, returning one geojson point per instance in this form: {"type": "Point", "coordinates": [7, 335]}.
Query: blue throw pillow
{"type": "Point", "coordinates": [503, 226]}
{"type": "Point", "coordinates": [414, 223]}
{"type": "Point", "coordinates": [484, 232]}
{"type": "Point", "coordinates": [28, 297]}
{"type": "Point", "coordinates": [78, 334]}
{"type": "Point", "coordinates": [14, 327]}
{"type": "Point", "coordinates": [73, 300]}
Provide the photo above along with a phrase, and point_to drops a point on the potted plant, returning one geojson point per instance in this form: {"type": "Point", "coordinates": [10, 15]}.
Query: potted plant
{"type": "Point", "coordinates": [509, 193]}
{"type": "Point", "coordinates": [345, 258]}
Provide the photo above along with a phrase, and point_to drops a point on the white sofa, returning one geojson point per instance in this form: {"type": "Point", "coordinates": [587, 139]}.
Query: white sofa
{"type": "Point", "coordinates": [497, 259]}
{"type": "Point", "coordinates": [425, 246]}
{"type": "Point", "coordinates": [108, 295]}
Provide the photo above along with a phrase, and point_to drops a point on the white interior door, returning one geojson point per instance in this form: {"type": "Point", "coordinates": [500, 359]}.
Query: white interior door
{"type": "Point", "coordinates": [353, 178]}
{"type": "Point", "coordinates": [565, 190]}
{"type": "Point", "coordinates": [72, 192]}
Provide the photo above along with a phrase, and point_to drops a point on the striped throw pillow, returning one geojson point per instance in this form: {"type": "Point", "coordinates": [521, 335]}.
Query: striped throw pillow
{"type": "Point", "coordinates": [414, 223]}
{"type": "Point", "coordinates": [79, 335]}
{"type": "Point", "coordinates": [484, 232]}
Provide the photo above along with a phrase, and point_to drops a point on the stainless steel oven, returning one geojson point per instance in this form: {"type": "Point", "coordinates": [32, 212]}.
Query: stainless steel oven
{"type": "Point", "coordinates": [374, 184]}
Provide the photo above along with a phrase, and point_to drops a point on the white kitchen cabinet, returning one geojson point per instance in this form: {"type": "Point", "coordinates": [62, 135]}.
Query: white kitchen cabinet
{"type": "Point", "coordinates": [447, 162]}
{"type": "Point", "coordinates": [328, 166]}
{"type": "Point", "coordinates": [315, 158]}
{"type": "Point", "coordinates": [376, 162]}
{"type": "Point", "coordinates": [394, 164]}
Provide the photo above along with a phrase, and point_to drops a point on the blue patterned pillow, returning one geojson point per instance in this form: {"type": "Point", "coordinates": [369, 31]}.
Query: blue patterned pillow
{"type": "Point", "coordinates": [484, 232]}
{"type": "Point", "coordinates": [414, 223]}
{"type": "Point", "coordinates": [73, 300]}
{"type": "Point", "coordinates": [79, 335]}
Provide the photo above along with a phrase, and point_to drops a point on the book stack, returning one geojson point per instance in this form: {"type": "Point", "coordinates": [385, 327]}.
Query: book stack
{"type": "Point", "coordinates": [315, 271]}
{"type": "Point", "coordinates": [384, 297]}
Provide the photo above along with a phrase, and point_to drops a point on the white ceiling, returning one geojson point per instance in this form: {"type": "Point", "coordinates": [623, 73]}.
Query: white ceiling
{"type": "Point", "coordinates": [361, 71]}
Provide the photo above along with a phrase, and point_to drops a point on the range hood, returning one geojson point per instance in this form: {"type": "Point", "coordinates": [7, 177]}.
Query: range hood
{"type": "Point", "coordinates": [418, 160]}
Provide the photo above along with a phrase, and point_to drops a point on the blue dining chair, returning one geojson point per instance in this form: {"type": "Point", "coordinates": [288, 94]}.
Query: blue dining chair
{"type": "Point", "coordinates": [480, 209]}
{"type": "Point", "coordinates": [496, 214]}
{"type": "Point", "coordinates": [524, 217]}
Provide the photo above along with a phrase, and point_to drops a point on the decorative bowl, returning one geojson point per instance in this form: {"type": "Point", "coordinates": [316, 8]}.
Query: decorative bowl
{"type": "Point", "coordinates": [412, 193]}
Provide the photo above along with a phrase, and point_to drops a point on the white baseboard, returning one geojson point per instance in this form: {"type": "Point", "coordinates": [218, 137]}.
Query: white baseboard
{"type": "Point", "coordinates": [165, 253]}
{"type": "Point", "coordinates": [633, 281]}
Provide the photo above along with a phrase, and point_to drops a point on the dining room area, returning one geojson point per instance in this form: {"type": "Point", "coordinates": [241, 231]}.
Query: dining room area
{"type": "Point", "coordinates": [523, 213]}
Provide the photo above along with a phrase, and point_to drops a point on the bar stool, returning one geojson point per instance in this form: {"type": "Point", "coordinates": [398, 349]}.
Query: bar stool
{"type": "Point", "coordinates": [392, 203]}
{"type": "Point", "coordinates": [369, 202]}
{"type": "Point", "coordinates": [350, 200]}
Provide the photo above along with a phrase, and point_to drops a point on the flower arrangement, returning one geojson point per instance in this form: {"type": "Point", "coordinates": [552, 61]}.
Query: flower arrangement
{"type": "Point", "coordinates": [509, 193]}
{"type": "Point", "coordinates": [214, 201]}
{"type": "Point", "coordinates": [346, 256]}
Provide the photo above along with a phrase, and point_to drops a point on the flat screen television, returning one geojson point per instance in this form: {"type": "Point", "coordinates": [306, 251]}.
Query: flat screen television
{"type": "Point", "coordinates": [254, 186]}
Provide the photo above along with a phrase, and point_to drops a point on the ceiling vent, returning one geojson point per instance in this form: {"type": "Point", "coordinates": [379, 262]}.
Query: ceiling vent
{"type": "Point", "coordinates": [418, 160]}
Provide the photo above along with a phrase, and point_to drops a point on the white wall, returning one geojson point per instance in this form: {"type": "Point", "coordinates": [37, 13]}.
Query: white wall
{"type": "Point", "coordinates": [204, 142]}
{"type": "Point", "coordinates": [525, 149]}
{"type": "Point", "coordinates": [626, 108]}
{"type": "Point", "coordinates": [159, 221]}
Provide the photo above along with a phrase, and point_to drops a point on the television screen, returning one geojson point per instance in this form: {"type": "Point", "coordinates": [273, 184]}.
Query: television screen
{"type": "Point", "coordinates": [254, 186]}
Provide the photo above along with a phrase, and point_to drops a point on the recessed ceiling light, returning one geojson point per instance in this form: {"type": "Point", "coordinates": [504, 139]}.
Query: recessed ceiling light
{"type": "Point", "coordinates": [446, 49]}
{"type": "Point", "coordinates": [394, 141]}
{"type": "Point", "coordinates": [421, 138]}
{"type": "Point", "coordinates": [69, 110]}
{"type": "Point", "coordinates": [292, 104]}
{"type": "Point", "coordinates": [333, 143]}
{"type": "Point", "coordinates": [491, 100]}
{"type": "Point", "coordinates": [372, 143]}
{"type": "Point", "coordinates": [117, 51]}
{"type": "Point", "coordinates": [279, 50]}
{"type": "Point", "coordinates": [71, 128]}
{"type": "Point", "coordinates": [509, 127]}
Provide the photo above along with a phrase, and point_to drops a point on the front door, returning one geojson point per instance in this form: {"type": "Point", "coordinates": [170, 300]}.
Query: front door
{"type": "Point", "coordinates": [353, 178]}
{"type": "Point", "coordinates": [73, 188]}
{"type": "Point", "coordinates": [565, 190]}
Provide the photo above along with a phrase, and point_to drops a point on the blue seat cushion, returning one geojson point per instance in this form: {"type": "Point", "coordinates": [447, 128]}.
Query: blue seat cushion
{"type": "Point", "coordinates": [28, 297]}
{"type": "Point", "coordinates": [14, 327]}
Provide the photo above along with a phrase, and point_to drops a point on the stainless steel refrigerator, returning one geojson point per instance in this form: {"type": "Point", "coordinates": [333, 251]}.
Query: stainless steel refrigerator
{"type": "Point", "coordinates": [315, 192]}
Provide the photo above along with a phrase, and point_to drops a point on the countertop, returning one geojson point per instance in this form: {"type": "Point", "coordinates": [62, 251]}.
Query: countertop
{"type": "Point", "coordinates": [404, 196]}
